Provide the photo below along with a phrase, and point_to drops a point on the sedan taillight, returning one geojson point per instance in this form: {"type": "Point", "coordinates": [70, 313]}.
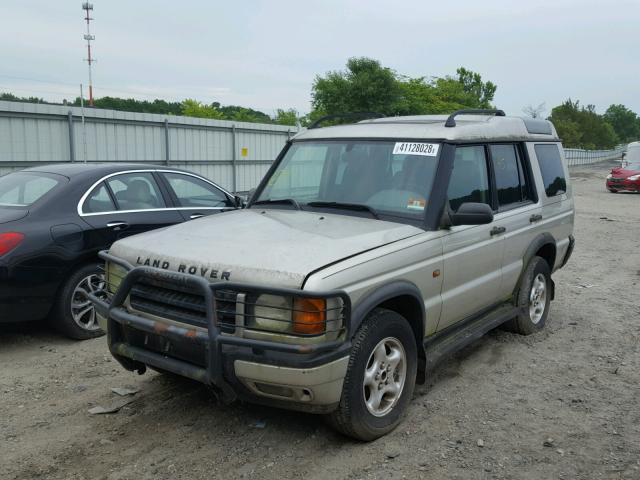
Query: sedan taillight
{"type": "Point", "coordinates": [9, 241]}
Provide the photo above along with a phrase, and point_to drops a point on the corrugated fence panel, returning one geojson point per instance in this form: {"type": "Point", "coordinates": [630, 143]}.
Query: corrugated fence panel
{"type": "Point", "coordinates": [32, 133]}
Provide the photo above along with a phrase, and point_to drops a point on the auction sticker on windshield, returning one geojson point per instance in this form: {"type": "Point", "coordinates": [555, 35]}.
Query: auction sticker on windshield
{"type": "Point", "coordinates": [413, 148]}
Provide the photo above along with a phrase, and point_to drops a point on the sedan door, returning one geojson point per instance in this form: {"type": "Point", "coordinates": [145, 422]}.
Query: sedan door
{"type": "Point", "coordinates": [472, 253]}
{"type": "Point", "coordinates": [195, 196]}
{"type": "Point", "coordinates": [125, 204]}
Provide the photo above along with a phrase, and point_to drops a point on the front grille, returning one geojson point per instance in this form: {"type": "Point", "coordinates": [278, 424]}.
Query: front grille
{"type": "Point", "coordinates": [183, 306]}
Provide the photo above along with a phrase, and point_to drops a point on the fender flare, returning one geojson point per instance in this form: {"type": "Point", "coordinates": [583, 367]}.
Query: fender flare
{"type": "Point", "coordinates": [537, 243]}
{"type": "Point", "coordinates": [383, 293]}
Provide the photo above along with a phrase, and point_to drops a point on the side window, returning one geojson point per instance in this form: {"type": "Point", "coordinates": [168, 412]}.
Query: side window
{"type": "Point", "coordinates": [511, 182]}
{"type": "Point", "coordinates": [551, 167]}
{"type": "Point", "coordinates": [136, 191]}
{"type": "Point", "coordinates": [469, 179]}
{"type": "Point", "coordinates": [98, 201]}
{"type": "Point", "coordinates": [193, 192]}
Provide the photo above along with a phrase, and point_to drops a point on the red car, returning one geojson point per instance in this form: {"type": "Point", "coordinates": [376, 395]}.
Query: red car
{"type": "Point", "coordinates": [625, 178]}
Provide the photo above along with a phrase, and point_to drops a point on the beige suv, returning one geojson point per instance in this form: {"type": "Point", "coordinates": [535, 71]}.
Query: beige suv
{"type": "Point", "coordinates": [368, 252]}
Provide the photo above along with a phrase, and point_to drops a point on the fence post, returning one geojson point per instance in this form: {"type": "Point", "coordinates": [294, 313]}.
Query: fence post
{"type": "Point", "coordinates": [72, 142]}
{"type": "Point", "coordinates": [234, 157]}
{"type": "Point", "coordinates": [167, 155]}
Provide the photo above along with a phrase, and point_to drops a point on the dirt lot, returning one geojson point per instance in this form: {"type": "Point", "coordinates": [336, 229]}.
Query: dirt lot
{"type": "Point", "coordinates": [560, 404]}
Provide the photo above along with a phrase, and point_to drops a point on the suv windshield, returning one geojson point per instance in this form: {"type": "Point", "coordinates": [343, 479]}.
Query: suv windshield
{"type": "Point", "coordinates": [22, 189]}
{"type": "Point", "coordinates": [389, 178]}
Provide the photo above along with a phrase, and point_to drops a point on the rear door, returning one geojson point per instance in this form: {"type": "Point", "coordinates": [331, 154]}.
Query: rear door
{"type": "Point", "coordinates": [472, 253]}
{"type": "Point", "coordinates": [125, 204]}
{"type": "Point", "coordinates": [519, 212]}
{"type": "Point", "coordinates": [194, 196]}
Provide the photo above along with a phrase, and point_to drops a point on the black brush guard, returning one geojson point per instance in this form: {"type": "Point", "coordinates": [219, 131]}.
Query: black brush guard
{"type": "Point", "coordinates": [136, 358]}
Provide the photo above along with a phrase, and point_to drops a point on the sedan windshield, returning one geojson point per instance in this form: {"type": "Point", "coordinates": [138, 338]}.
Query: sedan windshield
{"type": "Point", "coordinates": [389, 178]}
{"type": "Point", "coordinates": [22, 189]}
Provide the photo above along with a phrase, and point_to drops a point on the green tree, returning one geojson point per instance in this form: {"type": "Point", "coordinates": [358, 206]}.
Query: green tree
{"type": "Point", "coordinates": [364, 86]}
{"type": "Point", "coordinates": [286, 117]}
{"type": "Point", "coordinates": [193, 108]}
{"type": "Point", "coordinates": [582, 127]}
{"type": "Point", "coordinates": [624, 121]}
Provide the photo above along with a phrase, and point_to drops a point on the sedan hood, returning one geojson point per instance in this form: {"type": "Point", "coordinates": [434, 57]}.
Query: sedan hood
{"type": "Point", "coordinates": [620, 172]}
{"type": "Point", "coordinates": [12, 214]}
{"type": "Point", "coordinates": [268, 247]}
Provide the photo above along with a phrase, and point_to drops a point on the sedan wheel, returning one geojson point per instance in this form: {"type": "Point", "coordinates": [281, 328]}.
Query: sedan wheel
{"type": "Point", "coordinates": [74, 314]}
{"type": "Point", "coordinates": [82, 310]}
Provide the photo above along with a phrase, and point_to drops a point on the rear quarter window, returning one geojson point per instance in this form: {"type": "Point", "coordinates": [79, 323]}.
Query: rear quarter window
{"type": "Point", "coordinates": [552, 169]}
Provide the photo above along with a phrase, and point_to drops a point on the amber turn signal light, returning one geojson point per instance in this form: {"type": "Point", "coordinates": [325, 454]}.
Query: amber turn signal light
{"type": "Point", "coordinates": [309, 316]}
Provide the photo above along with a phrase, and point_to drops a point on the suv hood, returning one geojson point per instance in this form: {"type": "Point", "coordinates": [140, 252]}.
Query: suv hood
{"type": "Point", "coordinates": [267, 247]}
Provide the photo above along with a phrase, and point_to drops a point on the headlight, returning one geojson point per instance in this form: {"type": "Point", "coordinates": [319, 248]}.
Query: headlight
{"type": "Point", "coordinates": [633, 178]}
{"type": "Point", "coordinates": [275, 313]}
{"type": "Point", "coordinates": [609, 176]}
{"type": "Point", "coordinates": [114, 275]}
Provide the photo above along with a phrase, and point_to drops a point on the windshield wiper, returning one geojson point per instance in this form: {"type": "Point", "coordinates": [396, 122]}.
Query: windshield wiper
{"type": "Point", "coordinates": [278, 201]}
{"type": "Point", "coordinates": [346, 206]}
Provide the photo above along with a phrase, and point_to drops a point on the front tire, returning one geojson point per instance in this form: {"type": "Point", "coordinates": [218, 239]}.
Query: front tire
{"type": "Point", "coordinates": [74, 315]}
{"type": "Point", "coordinates": [380, 378]}
{"type": "Point", "coordinates": [613, 190]}
{"type": "Point", "coordinates": [534, 298]}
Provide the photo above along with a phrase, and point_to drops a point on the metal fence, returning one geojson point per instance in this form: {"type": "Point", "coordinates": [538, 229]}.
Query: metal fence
{"type": "Point", "coordinates": [234, 154]}
{"type": "Point", "coordinates": [577, 156]}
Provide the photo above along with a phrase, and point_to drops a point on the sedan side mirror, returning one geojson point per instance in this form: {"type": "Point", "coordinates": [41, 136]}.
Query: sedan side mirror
{"type": "Point", "coordinates": [239, 201]}
{"type": "Point", "coordinates": [471, 213]}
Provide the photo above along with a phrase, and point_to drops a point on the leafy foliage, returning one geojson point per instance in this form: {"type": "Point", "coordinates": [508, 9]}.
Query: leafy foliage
{"type": "Point", "coordinates": [582, 127]}
{"type": "Point", "coordinates": [367, 86]}
{"type": "Point", "coordinates": [625, 122]}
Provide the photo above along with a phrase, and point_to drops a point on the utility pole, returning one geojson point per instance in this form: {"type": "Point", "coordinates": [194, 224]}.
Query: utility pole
{"type": "Point", "coordinates": [88, 8]}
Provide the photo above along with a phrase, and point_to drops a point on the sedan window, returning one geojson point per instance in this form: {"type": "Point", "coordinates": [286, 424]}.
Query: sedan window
{"type": "Point", "coordinates": [22, 189]}
{"type": "Point", "coordinates": [136, 191]}
{"type": "Point", "coordinates": [194, 193]}
{"type": "Point", "coordinates": [99, 201]}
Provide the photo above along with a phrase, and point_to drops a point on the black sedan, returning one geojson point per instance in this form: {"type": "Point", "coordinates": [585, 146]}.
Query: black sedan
{"type": "Point", "coordinates": [54, 219]}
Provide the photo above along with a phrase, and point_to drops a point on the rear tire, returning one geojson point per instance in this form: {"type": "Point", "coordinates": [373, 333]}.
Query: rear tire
{"type": "Point", "coordinates": [380, 378]}
{"type": "Point", "coordinates": [73, 314]}
{"type": "Point", "coordinates": [613, 191]}
{"type": "Point", "coordinates": [533, 298]}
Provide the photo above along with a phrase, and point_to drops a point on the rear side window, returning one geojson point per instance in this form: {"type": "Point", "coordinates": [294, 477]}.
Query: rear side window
{"type": "Point", "coordinates": [99, 201]}
{"type": "Point", "coordinates": [22, 189]}
{"type": "Point", "coordinates": [511, 182]}
{"type": "Point", "coordinates": [469, 179]}
{"type": "Point", "coordinates": [550, 163]}
{"type": "Point", "coordinates": [136, 191]}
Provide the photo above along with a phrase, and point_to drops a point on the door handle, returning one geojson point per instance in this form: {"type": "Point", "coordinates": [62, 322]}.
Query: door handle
{"type": "Point", "coordinates": [117, 226]}
{"type": "Point", "coordinates": [535, 218]}
{"type": "Point", "coordinates": [196, 215]}
{"type": "Point", "coordinates": [497, 230]}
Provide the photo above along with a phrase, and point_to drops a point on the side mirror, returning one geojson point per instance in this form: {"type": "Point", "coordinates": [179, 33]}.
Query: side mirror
{"type": "Point", "coordinates": [472, 214]}
{"type": "Point", "coordinates": [239, 201]}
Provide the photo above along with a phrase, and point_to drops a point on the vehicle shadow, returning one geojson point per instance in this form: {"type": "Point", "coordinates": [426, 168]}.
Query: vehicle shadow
{"type": "Point", "coordinates": [12, 334]}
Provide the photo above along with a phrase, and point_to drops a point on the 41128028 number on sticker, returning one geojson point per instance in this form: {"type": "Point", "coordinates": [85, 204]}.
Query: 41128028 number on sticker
{"type": "Point", "coordinates": [415, 148]}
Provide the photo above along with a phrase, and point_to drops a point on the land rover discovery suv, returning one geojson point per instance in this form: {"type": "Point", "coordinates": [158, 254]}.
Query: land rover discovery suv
{"type": "Point", "coordinates": [367, 253]}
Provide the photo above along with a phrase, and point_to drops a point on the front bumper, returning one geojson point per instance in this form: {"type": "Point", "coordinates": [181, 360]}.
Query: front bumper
{"type": "Point", "coordinates": [307, 377]}
{"type": "Point", "coordinates": [623, 185]}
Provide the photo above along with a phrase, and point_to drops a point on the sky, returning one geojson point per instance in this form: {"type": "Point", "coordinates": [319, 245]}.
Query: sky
{"type": "Point", "coordinates": [265, 54]}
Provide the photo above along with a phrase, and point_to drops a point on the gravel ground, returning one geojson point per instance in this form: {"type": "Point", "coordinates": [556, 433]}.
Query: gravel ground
{"type": "Point", "coordinates": [559, 404]}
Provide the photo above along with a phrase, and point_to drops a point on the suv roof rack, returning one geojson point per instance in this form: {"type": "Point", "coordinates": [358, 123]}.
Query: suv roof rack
{"type": "Point", "coordinates": [356, 115]}
{"type": "Point", "coordinates": [451, 121]}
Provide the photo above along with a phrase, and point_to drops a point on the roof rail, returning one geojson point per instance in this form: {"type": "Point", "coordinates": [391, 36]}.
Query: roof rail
{"type": "Point", "coordinates": [357, 115]}
{"type": "Point", "coordinates": [451, 121]}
